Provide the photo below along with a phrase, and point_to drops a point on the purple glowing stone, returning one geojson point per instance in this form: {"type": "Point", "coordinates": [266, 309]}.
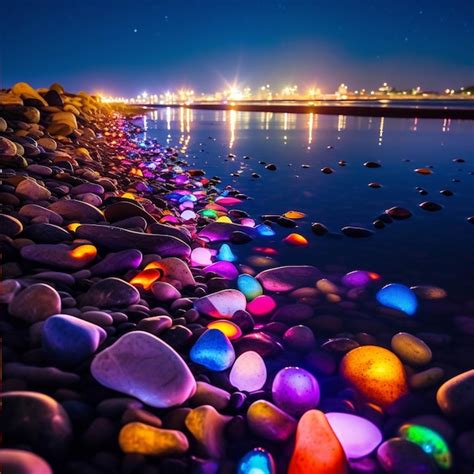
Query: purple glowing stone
{"type": "Point", "coordinates": [356, 278]}
{"type": "Point", "coordinates": [295, 390]}
{"type": "Point", "coordinates": [224, 269]}
{"type": "Point", "coordinates": [358, 436]}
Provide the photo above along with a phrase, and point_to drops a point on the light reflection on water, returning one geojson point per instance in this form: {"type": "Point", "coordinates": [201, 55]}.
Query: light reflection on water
{"type": "Point", "coordinates": [431, 248]}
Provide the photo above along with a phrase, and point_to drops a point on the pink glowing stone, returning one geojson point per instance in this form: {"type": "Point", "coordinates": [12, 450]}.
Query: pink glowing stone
{"type": "Point", "coordinates": [358, 436]}
{"type": "Point", "coordinates": [248, 222]}
{"type": "Point", "coordinates": [201, 257]}
{"type": "Point", "coordinates": [188, 215]}
{"type": "Point", "coordinates": [228, 201]}
{"type": "Point", "coordinates": [261, 305]}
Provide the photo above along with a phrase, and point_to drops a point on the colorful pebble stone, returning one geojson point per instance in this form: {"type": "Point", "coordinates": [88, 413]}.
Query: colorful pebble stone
{"type": "Point", "coordinates": [231, 330]}
{"type": "Point", "coordinates": [213, 350]}
{"type": "Point", "coordinates": [261, 306]}
{"type": "Point", "coordinates": [399, 297]}
{"type": "Point", "coordinates": [257, 461]}
{"type": "Point", "coordinates": [249, 372]}
{"type": "Point", "coordinates": [249, 286]}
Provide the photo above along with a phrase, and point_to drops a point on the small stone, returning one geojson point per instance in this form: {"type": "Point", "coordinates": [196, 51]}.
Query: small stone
{"type": "Point", "coordinates": [327, 170]}
{"type": "Point", "coordinates": [213, 350]}
{"type": "Point", "coordinates": [163, 291]}
{"type": "Point", "coordinates": [249, 372]}
{"type": "Point", "coordinates": [411, 349]}
{"type": "Point", "coordinates": [207, 427]}
{"type": "Point", "coordinates": [222, 304]}
{"type": "Point", "coordinates": [398, 456]}
{"type": "Point", "coordinates": [356, 232]}
{"type": "Point", "coordinates": [456, 396]}
{"type": "Point", "coordinates": [398, 213]}
{"type": "Point", "coordinates": [288, 278]}
{"type": "Point", "coordinates": [319, 229]}
{"type": "Point", "coordinates": [35, 303]}
{"type": "Point", "coordinates": [430, 206]}
{"type": "Point", "coordinates": [145, 367]}
{"type": "Point", "coordinates": [68, 340]}
{"type": "Point", "coordinates": [372, 164]}
{"type": "Point", "coordinates": [111, 292]}
{"type": "Point", "coordinates": [30, 189]}
{"type": "Point", "coordinates": [270, 422]}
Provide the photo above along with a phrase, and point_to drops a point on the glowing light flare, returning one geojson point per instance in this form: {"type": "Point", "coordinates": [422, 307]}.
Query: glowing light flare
{"type": "Point", "coordinates": [146, 278]}
{"type": "Point", "coordinates": [84, 252]}
{"type": "Point", "coordinates": [230, 329]}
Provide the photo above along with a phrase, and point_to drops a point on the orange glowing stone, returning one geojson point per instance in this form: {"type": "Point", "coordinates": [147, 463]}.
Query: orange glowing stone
{"type": "Point", "coordinates": [376, 373]}
{"type": "Point", "coordinates": [73, 226]}
{"type": "Point", "coordinates": [231, 330]}
{"type": "Point", "coordinates": [136, 172]}
{"type": "Point", "coordinates": [84, 253]}
{"type": "Point", "coordinates": [153, 264]}
{"type": "Point", "coordinates": [146, 278]}
{"type": "Point", "coordinates": [294, 215]}
{"type": "Point", "coordinates": [317, 449]}
{"type": "Point", "coordinates": [128, 196]}
{"type": "Point", "coordinates": [140, 438]}
{"type": "Point", "coordinates": [423, 171]}
{"type": "Point", "coordinates": [296, 239]}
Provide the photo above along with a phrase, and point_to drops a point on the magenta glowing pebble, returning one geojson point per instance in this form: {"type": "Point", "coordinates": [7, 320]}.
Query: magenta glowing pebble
{"type": "Point", "coordinates": [224, 269]}
{"type": "Point", "coordinates": [295, 390]}
{"type": "Point", "coordinates": [247, 222]}
{"type": "Point", "coordinates": [201, 257]}
{"type": "Point", "coordinates": [261, 305]}
{"type": "Point", "coordinates": [249, 372]}
{"type": "Point", "coordinates": [356, 278]}
{"type": "Point", "coordinates": [358, 436]}
{"type": "Point", "coordinates": [227, 201]}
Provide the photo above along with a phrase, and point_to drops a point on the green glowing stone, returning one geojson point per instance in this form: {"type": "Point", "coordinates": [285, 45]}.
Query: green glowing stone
{"type": "Point", "coordinates": [209, 213]}
{"type": "Point", "coordinates": [430, 441]}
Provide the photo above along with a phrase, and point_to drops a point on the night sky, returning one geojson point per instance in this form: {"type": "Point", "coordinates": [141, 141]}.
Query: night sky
{"type": "Point", "coordinates": [123, 47]}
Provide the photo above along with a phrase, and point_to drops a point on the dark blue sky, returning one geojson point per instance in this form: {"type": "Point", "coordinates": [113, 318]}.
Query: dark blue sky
{"type": "Point", "coordinates": [127, 46]}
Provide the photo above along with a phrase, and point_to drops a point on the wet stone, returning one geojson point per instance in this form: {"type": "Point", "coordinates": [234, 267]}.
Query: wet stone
{"type": "Point", "coordinates": [111, 292]}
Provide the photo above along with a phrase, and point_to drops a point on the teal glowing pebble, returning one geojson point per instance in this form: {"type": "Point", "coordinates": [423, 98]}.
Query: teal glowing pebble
{"type": "Point", "coordinates": [213, 350]}
{"type": "Point", "coordinates": [249, 286]}
{"type": "Point", "coordinates": [430, 441]}
{"type": "Point", "coordinates": [265, 230]}
{"type": "Point", "coordinates": [225, 254]}
{"type": "Point", "coordinates": [257, 461]}
{"type": "Point", "coordinates": [209, 213]}
{"type": "Point", "coordinates": [397, 296]}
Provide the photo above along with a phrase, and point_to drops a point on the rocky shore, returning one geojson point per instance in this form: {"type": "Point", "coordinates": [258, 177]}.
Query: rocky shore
{"type": "Point", "coordinates": [135, 342]}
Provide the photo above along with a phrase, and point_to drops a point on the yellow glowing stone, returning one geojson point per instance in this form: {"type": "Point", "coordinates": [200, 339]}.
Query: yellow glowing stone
{"type": "Point", "coordinates": [231, 330]}
{"type": "Point", "coordinates": [294, 215]}
{"type": "Point", "coordinates": [224, 219]}
{"type": "Point", "coordinates": [128, 196]}
{"type": "Point", "coordinates": [73, 226]}
{"type": "Point", "coordinates": [376, 373]}
{"type": "Point", "coordinates": [146, 278]}
{"type": "Point", "coordinates": [84, 252]}
{"type": "Point", "coordinates": [139, 438]}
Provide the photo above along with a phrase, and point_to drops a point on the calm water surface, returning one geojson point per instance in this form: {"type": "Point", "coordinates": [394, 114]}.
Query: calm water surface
{"type": "Point", "coordinates": [429, 248]}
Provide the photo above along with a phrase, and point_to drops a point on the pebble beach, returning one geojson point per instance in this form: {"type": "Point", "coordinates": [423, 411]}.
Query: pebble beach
{"type": "Point", "coordinates": [135, 341]}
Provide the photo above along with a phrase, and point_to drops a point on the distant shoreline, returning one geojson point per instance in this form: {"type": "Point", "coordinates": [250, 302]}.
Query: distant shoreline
{"type": "Point", "coordinates": [420, 111]}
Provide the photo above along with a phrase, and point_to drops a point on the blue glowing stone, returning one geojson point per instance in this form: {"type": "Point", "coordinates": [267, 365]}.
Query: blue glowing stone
{"type": "Point", "coordinates": [188, 197]}
{"type": "Point", "coordinates": [225, 253]}
{"type": "Point", "coordinates": [257, 461]}
{"type": "Point", "coordinates": [265, 230]}
{"type": "Point", "coordinates": [213, 350]}
{"type": "Point", "coordinates": [398, 297]}
{"type": "Point", "coordinates": [249, 286]}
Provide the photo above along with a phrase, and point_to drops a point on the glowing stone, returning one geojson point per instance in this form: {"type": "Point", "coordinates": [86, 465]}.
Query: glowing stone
{"type": "Point", "coordinates": [84, 253]}
{"type": "Point", "coordinates": [230, 329]}
{"type": "Point", "coordinates": [295, 390]}
{"type": "Point", "coordinates": [128, 196]}
{"type": "Point", "coordinates": [146, 278]}
{"type": "Point", "coordinates": [358, 436]}
{"type": "Point", "coordinates": [376, 373]}
{"type": "Point", "coordinates": [225, 253]}
{"type": "Point", "coordinates": [257, 461]}
{"type": "Point", "coordinates": [209, 213]}
{"type": "Point", "coordinates": [296, 239]}
{"type": "Point", "coordinates": [356, 278]}
{"type": "Point", "coordinates": [430, 441]}
{"type": "Point", "coordinates": [213, 350]}
{"type": "Point", "coordinates": [397, 296]}
{"type": "Point", "coordinates": [249, 286]}
{"type": "Point", "coordinates": [201, 257]}
{"type": "Point", "coordinates": [265, 230]}
{"type": "Point", "coordinates": [73, 226]}
{"type": "Point", "coordinates": [294, 215]}
{"type": "Point", "coordinates": [227, 201]}
{"type": "Point", "coordinates": [188, 215]}
{"type": "Point", "coordinates": [261, 305]}
{"type": "Point", "coordinates": [317, 449]}
{"type": "Point", "coordinates": [224, 269]}
{"type": "Point", "coordinates": [249, 372]}
{"type": "Point", "coordinates": [140, 438]}
{"type": "Point", "coordinates": [222, 304]}
{"type": "Point", "coordinates": [247, 222]}
{"type": "Point", "coordinates": [224, 219]}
